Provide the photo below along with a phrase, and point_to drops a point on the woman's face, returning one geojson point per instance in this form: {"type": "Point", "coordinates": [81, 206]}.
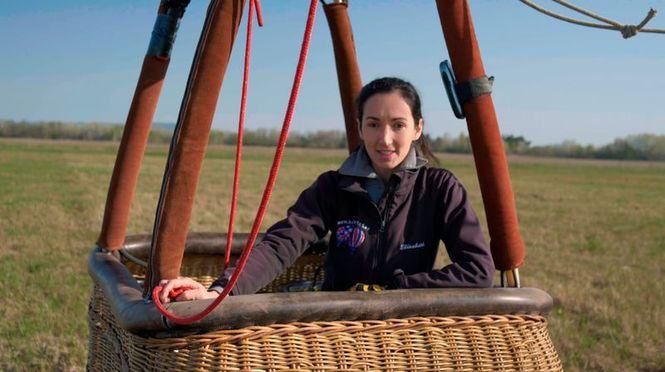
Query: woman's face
{"type": "Point", "coordinates": [388, 129]}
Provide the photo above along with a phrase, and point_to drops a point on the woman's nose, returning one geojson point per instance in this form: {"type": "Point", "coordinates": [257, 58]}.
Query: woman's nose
{"type": "Point", "coordinates": [385, 135]}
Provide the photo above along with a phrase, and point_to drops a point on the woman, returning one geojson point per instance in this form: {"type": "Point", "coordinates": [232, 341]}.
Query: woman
{"type": "Point", "coordinates": [386, 208]}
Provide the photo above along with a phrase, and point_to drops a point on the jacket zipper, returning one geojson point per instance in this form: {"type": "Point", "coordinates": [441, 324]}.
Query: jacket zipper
{"type": "Point", "coordinates": [378, 252]}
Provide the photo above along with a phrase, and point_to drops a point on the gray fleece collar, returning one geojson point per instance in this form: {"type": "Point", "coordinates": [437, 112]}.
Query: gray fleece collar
{"type": "Point", "coordinates": [359, 165]}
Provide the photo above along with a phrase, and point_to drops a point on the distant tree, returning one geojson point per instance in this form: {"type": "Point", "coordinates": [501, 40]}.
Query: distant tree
{"type": "Point", "coordinates": [328, 139]}
{"type": "Point", "coordinates": [635, 147]}
{"type": "Point", "coordinates": [446, 143]}
{"type": "Point", "coordinates": [516, 144]}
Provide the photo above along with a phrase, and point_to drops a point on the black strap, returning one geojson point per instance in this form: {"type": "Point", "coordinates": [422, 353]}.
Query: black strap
{"type": "Point", "coordinates": [460, 93]}
{"type": "Point", "coordinates": [473, 88]}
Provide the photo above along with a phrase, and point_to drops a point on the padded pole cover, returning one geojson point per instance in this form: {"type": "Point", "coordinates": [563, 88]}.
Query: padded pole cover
{"type": "Point", "coordinates": [137, 127]}
{"type": "Point", "coordinates": [130, 152]}
{"type": "Point", "coordinates": [195, 120]}
{"type": "Point", "coordinates": [491, 165]}
{"type": "Point", "coordinates": [348, 74]}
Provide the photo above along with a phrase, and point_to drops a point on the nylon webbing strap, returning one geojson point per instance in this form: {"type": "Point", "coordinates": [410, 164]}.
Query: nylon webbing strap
{"type": "Point", "coordinates": [467, 90]}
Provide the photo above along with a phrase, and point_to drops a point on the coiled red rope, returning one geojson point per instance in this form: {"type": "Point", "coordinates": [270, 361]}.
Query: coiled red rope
{"type": "Point", "coordinates": [267, 192]}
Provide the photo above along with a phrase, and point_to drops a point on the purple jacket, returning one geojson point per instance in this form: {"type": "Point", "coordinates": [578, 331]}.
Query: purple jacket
{"type": "Point", "coordinates": [392, 242]}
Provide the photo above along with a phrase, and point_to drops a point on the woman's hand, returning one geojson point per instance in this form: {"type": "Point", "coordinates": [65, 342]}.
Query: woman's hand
{"type": "Point", "coordinates": [191, 290]}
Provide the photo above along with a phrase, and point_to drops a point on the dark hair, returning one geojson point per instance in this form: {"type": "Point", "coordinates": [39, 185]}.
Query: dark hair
{"type": "Point", "coordinates": [410, 96]}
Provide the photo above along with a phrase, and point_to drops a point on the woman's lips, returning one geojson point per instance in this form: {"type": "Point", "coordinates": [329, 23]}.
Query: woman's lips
{"type": "Point", "coordinates": [385, 154]}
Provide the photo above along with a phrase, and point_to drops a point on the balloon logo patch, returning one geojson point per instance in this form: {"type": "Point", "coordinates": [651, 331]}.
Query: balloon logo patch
{"type": "Point", "coordinates": [350, 235]}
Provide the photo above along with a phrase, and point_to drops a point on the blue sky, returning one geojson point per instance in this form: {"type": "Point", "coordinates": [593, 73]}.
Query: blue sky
{"type": "Point", "coordinates": [78, 61]}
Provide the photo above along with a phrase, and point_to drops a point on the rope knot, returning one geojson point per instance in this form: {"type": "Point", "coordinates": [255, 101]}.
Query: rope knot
{"type": "Point", "coordinates": [632, 30]}
{"type": "Point", "coordinates": [628, 31]}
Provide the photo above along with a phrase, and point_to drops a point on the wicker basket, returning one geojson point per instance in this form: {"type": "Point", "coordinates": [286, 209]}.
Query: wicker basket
{"type": "Point", "coordinates": [405, 330]}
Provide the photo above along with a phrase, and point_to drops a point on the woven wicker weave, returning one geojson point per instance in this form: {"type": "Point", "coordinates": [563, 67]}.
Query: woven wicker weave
{"type": "Point", "coordinates": [475, 343]}
{"type": "Point", "coordinates": [467, 343]}
{"type": "Point", "coordinates": [206, 268]}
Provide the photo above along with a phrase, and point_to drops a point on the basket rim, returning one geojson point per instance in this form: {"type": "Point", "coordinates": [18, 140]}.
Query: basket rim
{"type": "Point", "coordinates": [212, 243]}
{"type": "Point", "coordinates": [136, 314]}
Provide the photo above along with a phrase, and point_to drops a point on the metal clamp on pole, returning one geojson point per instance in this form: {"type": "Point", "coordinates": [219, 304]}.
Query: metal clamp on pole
{"type": "Point", "coordinates": [460, 93]}
{"type": "Point", "coordinates": [510, 278]}
{"type": "Point", "coordinates": [166, 27]}
{"type": "Point", "coordinates": [335, 2]}
{"type": "Point", "coordinates": [450, 84]}
{"type": "Point", "coordinates": [99, 249]}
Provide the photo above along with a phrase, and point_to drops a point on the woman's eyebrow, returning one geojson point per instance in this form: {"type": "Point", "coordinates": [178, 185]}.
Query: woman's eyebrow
{"type": "Point", "coordinates": [392, 119]}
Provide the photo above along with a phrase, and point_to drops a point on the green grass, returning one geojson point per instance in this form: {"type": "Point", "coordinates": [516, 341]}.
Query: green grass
{"type": "Point", "coordinates": [594, 232]}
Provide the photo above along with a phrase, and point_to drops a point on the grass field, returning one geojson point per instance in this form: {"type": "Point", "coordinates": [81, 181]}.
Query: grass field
{"type": "Point", "coordinates": [594, 231]}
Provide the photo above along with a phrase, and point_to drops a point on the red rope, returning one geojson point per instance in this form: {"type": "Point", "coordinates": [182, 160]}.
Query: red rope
{"type": "Point", "coordinates": [241, 130]}
{"type": "Point", "coordinates": [267, 192]}
{"type": "Point", "coordinates": [259, 13]}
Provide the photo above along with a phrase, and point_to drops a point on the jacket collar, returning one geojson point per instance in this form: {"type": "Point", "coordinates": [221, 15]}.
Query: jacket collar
{"type": "Point", "coordinates": [358, 164]}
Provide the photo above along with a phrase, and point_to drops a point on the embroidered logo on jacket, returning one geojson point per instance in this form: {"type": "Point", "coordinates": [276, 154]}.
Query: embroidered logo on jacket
{"type": "Point", "coordinates": [350, 233]}
{"type": "Point", "coordinates": [405, 246]}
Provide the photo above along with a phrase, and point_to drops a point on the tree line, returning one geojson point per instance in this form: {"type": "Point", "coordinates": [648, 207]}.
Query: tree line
{"type": "Point", "coordinates": [634, 147]}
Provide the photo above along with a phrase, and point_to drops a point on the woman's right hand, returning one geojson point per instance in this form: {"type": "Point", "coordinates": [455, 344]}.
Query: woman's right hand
{"type": "Point", "coordinates": [191, 290]}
